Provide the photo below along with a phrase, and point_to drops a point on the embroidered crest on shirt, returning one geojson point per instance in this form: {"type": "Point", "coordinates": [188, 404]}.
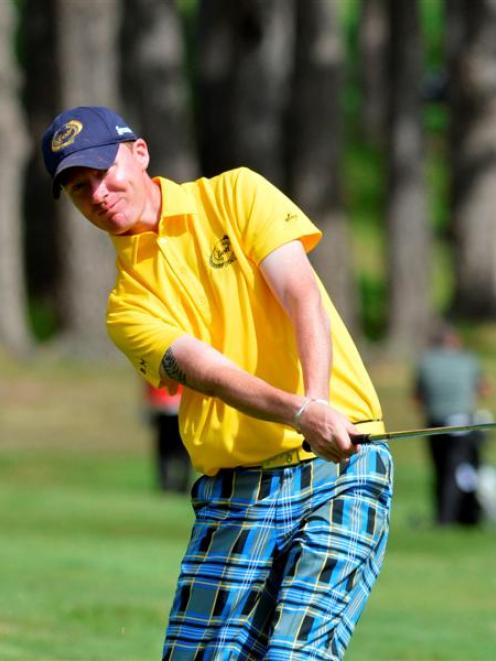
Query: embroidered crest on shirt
{"type": "Point", "coordinates": [222, 254]}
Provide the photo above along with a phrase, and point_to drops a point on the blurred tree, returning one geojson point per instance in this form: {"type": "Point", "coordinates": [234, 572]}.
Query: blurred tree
{"type": "Point", "coordinates": [40, 94]}
{"type": "Point", "coordinates": [408, 228]}
{"type": "Point", "coordinates": [372, 42]}
{"type": "Point", "coordinates": [14, 334]}
{"type": "Point", "coordinates": [244, 66]}
{"type": "Point", "coordinates": [87, 69]}
{"type": "Point", "coordinates": [153, 81]}
{"type": "Point", "coordinates": [472, 93]}
{"type": "Point", "coordinates": [315, 145]}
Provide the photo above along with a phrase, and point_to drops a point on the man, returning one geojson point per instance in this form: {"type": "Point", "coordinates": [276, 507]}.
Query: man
{"type": "Point", "coordinates": [448, 383]}
{"type": "Point", "coordinates": [214, 291]}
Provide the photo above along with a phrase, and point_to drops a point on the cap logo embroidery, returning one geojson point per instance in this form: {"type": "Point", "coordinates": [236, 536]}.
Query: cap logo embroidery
{"type": "Point", "coordinates": [66, 134]}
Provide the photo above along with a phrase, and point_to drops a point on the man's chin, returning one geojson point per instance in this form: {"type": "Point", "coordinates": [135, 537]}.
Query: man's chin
{"type": "Point", "coordinates": [119, 225]}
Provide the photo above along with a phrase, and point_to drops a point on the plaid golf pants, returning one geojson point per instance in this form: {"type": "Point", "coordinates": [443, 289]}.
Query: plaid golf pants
{"type": "Point", "coordinates": [281, 561]}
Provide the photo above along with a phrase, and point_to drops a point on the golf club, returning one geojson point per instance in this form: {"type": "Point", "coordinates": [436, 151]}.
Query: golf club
{"type": "Point", "coordinates": [363, 439]}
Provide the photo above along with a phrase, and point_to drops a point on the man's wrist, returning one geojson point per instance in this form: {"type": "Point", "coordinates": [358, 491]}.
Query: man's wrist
{"type": "Point", "coordinates": [306, 402]}
{"type": "Point", "coordinates": [296, 418]}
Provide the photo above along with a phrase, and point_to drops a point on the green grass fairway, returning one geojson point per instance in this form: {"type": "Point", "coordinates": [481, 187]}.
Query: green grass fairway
{"type": "Point", "coordinates": [90, 550]}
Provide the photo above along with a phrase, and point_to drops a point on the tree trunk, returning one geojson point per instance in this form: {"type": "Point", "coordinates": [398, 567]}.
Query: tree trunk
{"type": "Point", "coordinates": [373, 39]}
{"type": "Point", "coordinates": [41, 100]}
{"type": "Point", "coordinates": [314, 146]}
{"type": "Point", "coordinates": [408, 231]}
{"type": "Point", "coordinates": [473, 136]}
{"type": "Point", "coordinates": [14, 334]}
{"type": "Point", "coordinates": [87, 66]}
{"type": "Point", "coordinates": [154, 85]}
{"type": "Point", "coordinates": [243, 84]}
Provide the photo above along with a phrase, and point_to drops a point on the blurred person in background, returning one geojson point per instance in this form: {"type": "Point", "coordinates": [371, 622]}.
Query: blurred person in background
{"type": "Point", "coordinates": [448, 383]}
{"type": "Point", "coordinates": [171, 459]}
{"type": "Point", "coordinates": [215, 291]}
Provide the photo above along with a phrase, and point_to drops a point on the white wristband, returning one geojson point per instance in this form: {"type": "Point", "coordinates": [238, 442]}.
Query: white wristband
{"type": "Point", "coordinates": [300, 411]}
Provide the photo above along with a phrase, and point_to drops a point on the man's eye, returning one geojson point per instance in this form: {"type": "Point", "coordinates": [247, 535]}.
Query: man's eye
{"type": "Point", "coordinates": [77, 186]}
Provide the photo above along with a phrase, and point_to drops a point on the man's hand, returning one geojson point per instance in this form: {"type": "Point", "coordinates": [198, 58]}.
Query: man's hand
{"type": "Point", "coordinates": [328, 432]}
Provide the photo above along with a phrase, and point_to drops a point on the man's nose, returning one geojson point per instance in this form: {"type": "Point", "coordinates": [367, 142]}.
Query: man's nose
{"type": "Point", "coordinates": [98, 190]}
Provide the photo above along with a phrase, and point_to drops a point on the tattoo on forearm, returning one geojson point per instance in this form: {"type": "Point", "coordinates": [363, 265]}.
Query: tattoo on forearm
{"type": "Point", "coordinates": [171, 368]}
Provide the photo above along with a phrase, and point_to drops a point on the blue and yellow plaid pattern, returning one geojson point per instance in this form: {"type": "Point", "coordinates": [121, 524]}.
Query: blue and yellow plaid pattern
{"type": "Point", "coordinates": [281, 561]}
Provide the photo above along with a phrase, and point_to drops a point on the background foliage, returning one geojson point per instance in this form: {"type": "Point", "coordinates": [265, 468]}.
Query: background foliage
{"type": "Point", "coordinates": [152, 59]}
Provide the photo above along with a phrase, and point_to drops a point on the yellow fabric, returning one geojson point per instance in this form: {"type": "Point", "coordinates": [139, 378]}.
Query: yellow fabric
{"type": "Point", "coordinates": [199, 276]}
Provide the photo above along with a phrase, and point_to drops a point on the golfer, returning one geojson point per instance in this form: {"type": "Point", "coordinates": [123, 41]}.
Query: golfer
{"type": "Point", "coordinates": [214, 291]}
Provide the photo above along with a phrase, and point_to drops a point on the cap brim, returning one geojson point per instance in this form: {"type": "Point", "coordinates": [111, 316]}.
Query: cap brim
{"type": "Point", "coordinates": [97, 158]}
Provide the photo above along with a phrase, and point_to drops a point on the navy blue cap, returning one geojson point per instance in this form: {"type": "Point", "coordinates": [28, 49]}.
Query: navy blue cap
{"type": "Point", "coordinates": [86, 136]}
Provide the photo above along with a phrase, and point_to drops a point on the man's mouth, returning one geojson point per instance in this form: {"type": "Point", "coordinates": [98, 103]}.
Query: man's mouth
{"type": "Point", "coordinates": [108, 209]}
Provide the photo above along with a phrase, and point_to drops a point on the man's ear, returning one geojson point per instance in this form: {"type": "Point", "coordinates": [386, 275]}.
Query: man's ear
{"type": "Point", "coordinates": [141, 153]}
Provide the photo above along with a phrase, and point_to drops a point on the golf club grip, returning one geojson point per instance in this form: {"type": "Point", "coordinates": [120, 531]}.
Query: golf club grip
{"type": "Point", "coordinates": [356, 439]}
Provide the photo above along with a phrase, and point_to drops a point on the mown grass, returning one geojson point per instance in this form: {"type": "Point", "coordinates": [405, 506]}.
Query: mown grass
{"type": "Point", "coordinates": [90, 550]}
{"type": "Point", "coordinates": [87, 567]}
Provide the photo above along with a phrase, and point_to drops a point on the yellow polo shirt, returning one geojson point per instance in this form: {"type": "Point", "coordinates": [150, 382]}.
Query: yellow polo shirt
{"type": "Point", "coordinates": [199, 275]}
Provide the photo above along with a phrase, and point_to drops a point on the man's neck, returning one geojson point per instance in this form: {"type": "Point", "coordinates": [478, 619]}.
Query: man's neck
{"type": "Point", "coordinates": [152, 211]}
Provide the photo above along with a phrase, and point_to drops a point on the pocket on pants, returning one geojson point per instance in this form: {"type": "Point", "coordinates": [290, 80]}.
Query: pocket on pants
{"type": "Point", "coordinates": [369, 473]}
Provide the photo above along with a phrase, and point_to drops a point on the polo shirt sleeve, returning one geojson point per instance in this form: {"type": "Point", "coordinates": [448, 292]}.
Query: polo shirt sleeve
{"type": "Point", "coordinates": [137, 327]}
{"type": "Point", "coordinates": [267, 218]}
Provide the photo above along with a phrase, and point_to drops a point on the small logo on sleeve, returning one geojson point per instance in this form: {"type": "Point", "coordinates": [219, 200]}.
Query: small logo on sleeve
{"type": "Point", "coordinates": [142, 366]}
{"type": "Point", "coordinates": [290, 216]}
{"type": "Point", "coordinates": [222, 254]}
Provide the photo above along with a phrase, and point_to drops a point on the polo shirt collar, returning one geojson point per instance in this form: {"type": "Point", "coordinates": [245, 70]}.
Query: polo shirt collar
{"type": "Point", "coordinates": [176, 200]}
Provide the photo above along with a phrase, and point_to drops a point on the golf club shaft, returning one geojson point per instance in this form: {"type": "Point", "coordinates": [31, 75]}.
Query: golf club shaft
{"type": "Point", "coordinates": [364, 439]}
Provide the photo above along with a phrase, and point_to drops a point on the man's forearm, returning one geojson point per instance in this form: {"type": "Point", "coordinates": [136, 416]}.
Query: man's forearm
{"type": "Point", "coordinates": [290, 276]}
{"type": "Point", "coordinates": [202, 368]}
{"type": "Point", "coordinates": [313, 335]}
